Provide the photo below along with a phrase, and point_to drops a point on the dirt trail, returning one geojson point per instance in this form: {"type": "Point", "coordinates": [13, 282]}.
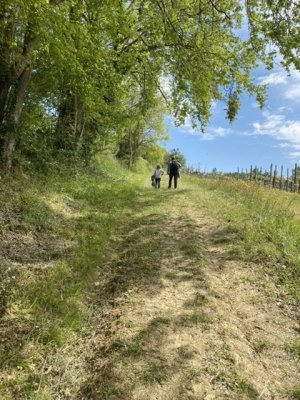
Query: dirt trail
{"type": "Point", "coordinates": [185, 322]}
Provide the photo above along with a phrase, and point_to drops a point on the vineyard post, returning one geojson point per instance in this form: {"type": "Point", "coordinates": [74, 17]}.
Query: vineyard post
{"type": "Point", "coordinates": [271, 173]}
{"type": "Point", "coordinates": [281, 177]}
{"type": "Point", "coordinates": [275, 174]}
{"type": "Point", "coordinates": [287, 180]}
{"type": "Point", "coordinates": [295, 179]}
{"type": "Point", "coordinates": [260, 175]}
{"type": "Point", "coordinates": [255, 173]}
{"type": "Point", "coordinates": [251, 173]}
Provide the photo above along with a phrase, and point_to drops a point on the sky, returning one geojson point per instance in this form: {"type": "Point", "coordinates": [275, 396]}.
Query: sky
{"type": "Point", "coordinates": [257, 137]}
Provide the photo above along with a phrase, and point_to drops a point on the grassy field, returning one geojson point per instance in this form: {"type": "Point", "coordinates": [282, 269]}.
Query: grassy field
{"type": "Point", "coordinates": [63, 239]}
{"type": "Point", "coordinates": [266, 220]}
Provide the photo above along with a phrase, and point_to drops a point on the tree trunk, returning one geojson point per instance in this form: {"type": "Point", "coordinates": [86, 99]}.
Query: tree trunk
{"type": "Point", "coordinates": [4, 91]}
{"type": "Point", "coordinates": [70, 123]}
{"type": "Point", "coordinates": [14, 119]}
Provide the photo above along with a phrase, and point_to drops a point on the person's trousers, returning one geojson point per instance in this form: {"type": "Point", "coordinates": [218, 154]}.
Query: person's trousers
{"type": "Point", "coordinates": [157, 183]}
{"type": "Point", "coordinates": [171, 176]}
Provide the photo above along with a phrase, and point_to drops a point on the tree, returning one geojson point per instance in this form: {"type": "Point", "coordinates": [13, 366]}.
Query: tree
{"type": "Point", "coordinates": [21, 27]}
{"type": "Point", "coordinates": [276, 22]}
{"type": "Point", "coordinates": [144, 128]}
{"type": "Point", "coordinates": [175, 153]}
{"type": "Point", "coordinates": [96, 67]}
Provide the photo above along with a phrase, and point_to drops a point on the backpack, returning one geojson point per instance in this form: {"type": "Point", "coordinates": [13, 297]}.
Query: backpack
{"type": "Point", "coordinates": [153, 180]}
{"type": "Point", "coordinates": [174, 168]}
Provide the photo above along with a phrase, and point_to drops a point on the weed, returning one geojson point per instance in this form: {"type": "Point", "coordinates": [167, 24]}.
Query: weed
{"type": "Point", "coordinates": [199, 300]}
{"type": "Point", "coordinates": [133, 350]}
{"type": "Point", "coordinates": [196, 318]}
{"type": "Point", "coordinates": [261, 345]}
{"type": "Point", "coordinates": [185, 353]}
{"type": "Point", "coordinates": [191, 248]}
{"type": "Point", "coordinates": [294, 349]}
{"type": "Point", "coordinates": [158, 321]}
{"type": "Point", "coordinates": [295, 394]}
{"type": "Point", "coordinates": [156, 372]}
{"type": "Point", "coordinates": [247, 388]}
{"type": "Point", "coordinates": [171, 275]}
{"type": "Point", "coordinates": [193, 373]}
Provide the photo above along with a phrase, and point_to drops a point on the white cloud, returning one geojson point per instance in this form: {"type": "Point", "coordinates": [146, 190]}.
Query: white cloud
{"type": "Point", "coordinates": [295, 74]}
{"type": "Point", "coordinates": [283, 145]}
{"type": "Point", "coordinates": [290, 80]}
{"type": "Point", "coordinates": [272, 121]}
{"type": "Point", "coordinates": [295, 154]}
{"type": "Point", "coordinates": [284, 130]}
{"type": "Point", "coordinates": [210, 133]}
{"type": "Point", "coordinates": [275, 78]}
{"type": "Point", "coordinates": [188, 128]}
{"type": "Point", "coordinates": [293, 93]}
{"type": "Point", "coordinates": [285, 109]}
{"type": "Point", "coordinates": [214, 132]}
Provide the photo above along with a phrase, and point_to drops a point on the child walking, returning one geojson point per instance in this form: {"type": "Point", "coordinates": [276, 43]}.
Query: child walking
{"type": "Point", "coordinates": [158, 173]}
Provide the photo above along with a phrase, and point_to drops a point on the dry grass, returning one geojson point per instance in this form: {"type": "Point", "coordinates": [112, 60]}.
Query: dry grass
{"type": "Point", "coordinates": [115, 291]}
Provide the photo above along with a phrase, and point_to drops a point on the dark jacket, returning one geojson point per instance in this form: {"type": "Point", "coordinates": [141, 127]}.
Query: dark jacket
{"type": "Point", "coordinates": [174, 167]}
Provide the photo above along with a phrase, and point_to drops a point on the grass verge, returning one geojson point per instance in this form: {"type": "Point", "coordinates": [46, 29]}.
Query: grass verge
{"type": "Point", "coordinates": [55, 230]}
{"type": "Point", "coordinates": [263, 222]}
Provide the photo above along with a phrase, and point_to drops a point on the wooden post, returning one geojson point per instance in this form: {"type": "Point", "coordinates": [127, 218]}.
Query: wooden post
{"type": "Point", "coordinates": [287, 179]}
{"type": "Point", "coordinates": [255, 173]}
{"type": "Point", "coordinates": [274, 178]}
{"type": "Point", "coordinates": [271, 173]}
{"type": "Point", "coordinates": [281, 177]}
{"type": "Point", "coordinates": [251, 173]}
{"type": "Point", "coordinates": [295, 179]}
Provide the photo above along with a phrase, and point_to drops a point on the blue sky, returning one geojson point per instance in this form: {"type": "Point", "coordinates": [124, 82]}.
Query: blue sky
{"type": "Point", "coordinates": [257, 137]}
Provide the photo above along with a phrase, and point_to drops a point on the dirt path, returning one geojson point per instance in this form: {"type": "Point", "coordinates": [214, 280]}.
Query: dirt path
{"type": "Point", "coordinates": [185, 322]}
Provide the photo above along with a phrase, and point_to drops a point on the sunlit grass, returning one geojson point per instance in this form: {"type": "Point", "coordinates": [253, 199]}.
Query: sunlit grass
{"type": "Point", "coordinates": [268, 230]}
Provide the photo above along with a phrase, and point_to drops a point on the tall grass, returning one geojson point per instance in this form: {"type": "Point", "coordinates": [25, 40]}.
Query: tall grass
{"type": "Point", "coordinates": [268, 231]}
{"type": "Point", "coordinates": [55, 229]}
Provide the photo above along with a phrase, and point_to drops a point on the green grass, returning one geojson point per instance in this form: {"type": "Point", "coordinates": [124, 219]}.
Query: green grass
{"type": "Point", "coordinates": [45, 299]}
{"type": "Point", "coordinates": [262, 224]}
{"type": "Point", "coordinates": [246, 388]}
{"type": "Point", "coordinates": [261, 345]}
{"type": "Point", "coordinates": [56, 233]}
{"type": "Point", "coordinates": [196, 318]}
{"type": "Point", "coordinates": [294, 349]}
{"type": "Point", "coordinates": [295, 394]}
{"type": "Point", "coordinates": [185, 353]}
{"type": "Point", "coordinates": [156, 372]}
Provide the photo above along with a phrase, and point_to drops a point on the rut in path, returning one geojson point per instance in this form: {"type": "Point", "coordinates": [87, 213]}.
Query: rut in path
{"type": "Point", "coordinates": [185, 321]}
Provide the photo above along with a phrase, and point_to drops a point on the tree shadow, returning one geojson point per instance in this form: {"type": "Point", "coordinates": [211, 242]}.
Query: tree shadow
{"type": "Point", "coordinates": [78, 246]}
{"type": "Point", "coordinates": [137, 257]}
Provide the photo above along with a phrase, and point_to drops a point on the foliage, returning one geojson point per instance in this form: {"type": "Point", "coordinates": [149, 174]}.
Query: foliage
{"type": "Point", "coordinates": [176, 153]}
{"type": "Point", "coordinates": [95, 73]}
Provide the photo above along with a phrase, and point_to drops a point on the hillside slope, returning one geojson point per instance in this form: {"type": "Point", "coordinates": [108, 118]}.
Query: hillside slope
{"type": "Point", "coordinates": [125, 292]}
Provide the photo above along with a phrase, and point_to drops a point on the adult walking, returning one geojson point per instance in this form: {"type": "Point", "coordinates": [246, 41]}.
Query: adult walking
{"type": "Point", "coordinates": [173, 171]}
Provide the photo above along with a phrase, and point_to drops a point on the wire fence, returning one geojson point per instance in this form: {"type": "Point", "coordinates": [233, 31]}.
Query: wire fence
{"type": "Point", "coordinates": [277, 178]}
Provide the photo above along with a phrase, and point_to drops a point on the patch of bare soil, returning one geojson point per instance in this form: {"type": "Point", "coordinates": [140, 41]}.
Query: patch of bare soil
{"type": "Point", "coordinates": [184, 321]}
